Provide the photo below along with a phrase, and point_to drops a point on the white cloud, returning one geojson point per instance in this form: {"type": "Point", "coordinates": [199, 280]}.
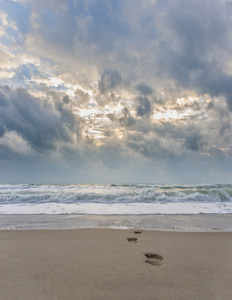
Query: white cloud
{"type": "Point", "coordinates": [3, 18]}
{"type": "Point", "coordinates": [6, 74]}
{"type": "Point", "coordinates": [6, 22]}
{"type": "Point", "coordinates": [7, 59]}
{"type": "Point", "coordinates": [2, 31]}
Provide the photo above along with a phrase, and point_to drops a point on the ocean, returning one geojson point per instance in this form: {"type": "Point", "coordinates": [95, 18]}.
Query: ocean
{"type": "Point", "coordinates": [123, 202]}
{"type": "Point", "coordinates": [119, 199]}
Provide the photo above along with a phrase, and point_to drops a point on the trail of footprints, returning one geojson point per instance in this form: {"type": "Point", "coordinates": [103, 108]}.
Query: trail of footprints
{"type": "Point", "coordinates": [152, 258]}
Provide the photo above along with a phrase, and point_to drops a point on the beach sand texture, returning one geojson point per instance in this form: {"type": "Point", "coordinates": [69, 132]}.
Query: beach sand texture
{"type": "Point", "coordinates": [98, 264]}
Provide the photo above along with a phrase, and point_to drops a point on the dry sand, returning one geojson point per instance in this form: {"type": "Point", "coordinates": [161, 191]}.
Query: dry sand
{"type": "Point", "coordinates": [100, 264]}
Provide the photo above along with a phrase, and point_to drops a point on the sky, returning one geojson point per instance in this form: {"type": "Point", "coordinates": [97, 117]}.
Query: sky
{"type": "Point", "coordinates": [115, 91]}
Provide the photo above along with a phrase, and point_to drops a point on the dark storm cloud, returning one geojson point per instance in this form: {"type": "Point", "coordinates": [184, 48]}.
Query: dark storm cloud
{"type": "Point", "coordinates": [194, 56]}
{"type": "Point", "coordinates": [144, 107]}
{"type": "Point", "coordinates": [7, 153]}
{"type": "Point", "coordinates": [144, 89]}
{"type": "Point", "coordinates": [109, 80]}
{"type": "Point", "coordinates": [127, 120]}
{"type": "Point", "coordinates": [150, 147]}
{"type": "Point", "coordinates": [210, 105]}
{"type": "Point", "coordinates": [42, 123]}
{"type": "Point", "coordinates": [2, 130]}
{"type": "Point", "coordinates": [193, 140]}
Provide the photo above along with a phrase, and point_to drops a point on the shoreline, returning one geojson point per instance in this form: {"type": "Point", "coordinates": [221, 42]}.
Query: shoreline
{"type": "Point", "coordinates": [180, 223]}
{"type": "Point", "coordinates": [110, 264]}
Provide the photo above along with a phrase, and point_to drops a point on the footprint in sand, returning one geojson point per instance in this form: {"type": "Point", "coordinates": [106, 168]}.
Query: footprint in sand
{"type": "Point", "coordinates": [154, 259]}
{"type": "Point", "coordinates": [138, 231]}
{"type": "Point", "coordinates": [132, 240]}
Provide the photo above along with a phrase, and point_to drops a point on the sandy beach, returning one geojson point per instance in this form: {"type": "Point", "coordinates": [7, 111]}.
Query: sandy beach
{"type": "Point", "coordinates": [98, 264]}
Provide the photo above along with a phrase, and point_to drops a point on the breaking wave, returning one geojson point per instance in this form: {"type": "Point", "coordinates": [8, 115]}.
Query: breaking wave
{"type": "Point", "coordinates": [115, 199]}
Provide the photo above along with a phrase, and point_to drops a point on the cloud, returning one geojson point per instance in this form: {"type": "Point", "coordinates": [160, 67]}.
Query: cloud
{"type": "Point", "coordinates": [45, 124]}
{"type": "Point", "coordinates": [124, 81]}
{"type": "Point", "coordinates": [14, 147]}
{"type": "Point", "coordinates": [144, 89]}
{"type": "Point", "coordinates": [2, 130]}
{"type": "Point", "coordinates": [61, 4]}
{"type": "Point", "coordinates": [193, 140]}
{"type": "Point", "coordinates": [144, 107]}
{"type": "Point", "coordinates": [190, 52]}
{"type": "Point", "coordinates": [109, 80]}
{"type": "Point", "coordinates": [82, 96]}
{"type": "Point", "coordinates": [7, 59]}
{"type": "Point", "coordinates": [150, 146]}
{"type": "Point", "coordinates": [127, 119]}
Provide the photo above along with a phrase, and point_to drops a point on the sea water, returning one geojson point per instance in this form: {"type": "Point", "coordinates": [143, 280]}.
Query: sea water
{"type": "Point", "coordinates": [195, 207]}
{"type": "Point", "coordinates": [115, 199]}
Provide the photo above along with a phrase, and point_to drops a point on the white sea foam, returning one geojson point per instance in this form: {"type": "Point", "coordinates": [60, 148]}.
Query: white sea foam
{"type": "Point", "coordinates": [115, 199]}
{"type": "Point", "coordinates": [117, 209]}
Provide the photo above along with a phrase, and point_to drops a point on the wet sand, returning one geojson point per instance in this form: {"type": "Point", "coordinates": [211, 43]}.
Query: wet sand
{"type": "Point", "coordinates": [105, 264]}
{"type": "Point", "coordinates": [186, 223]}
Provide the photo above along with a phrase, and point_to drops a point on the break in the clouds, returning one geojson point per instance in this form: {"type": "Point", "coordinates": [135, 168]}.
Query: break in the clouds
{"type": "Point", "coordinates": [115, 90]}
